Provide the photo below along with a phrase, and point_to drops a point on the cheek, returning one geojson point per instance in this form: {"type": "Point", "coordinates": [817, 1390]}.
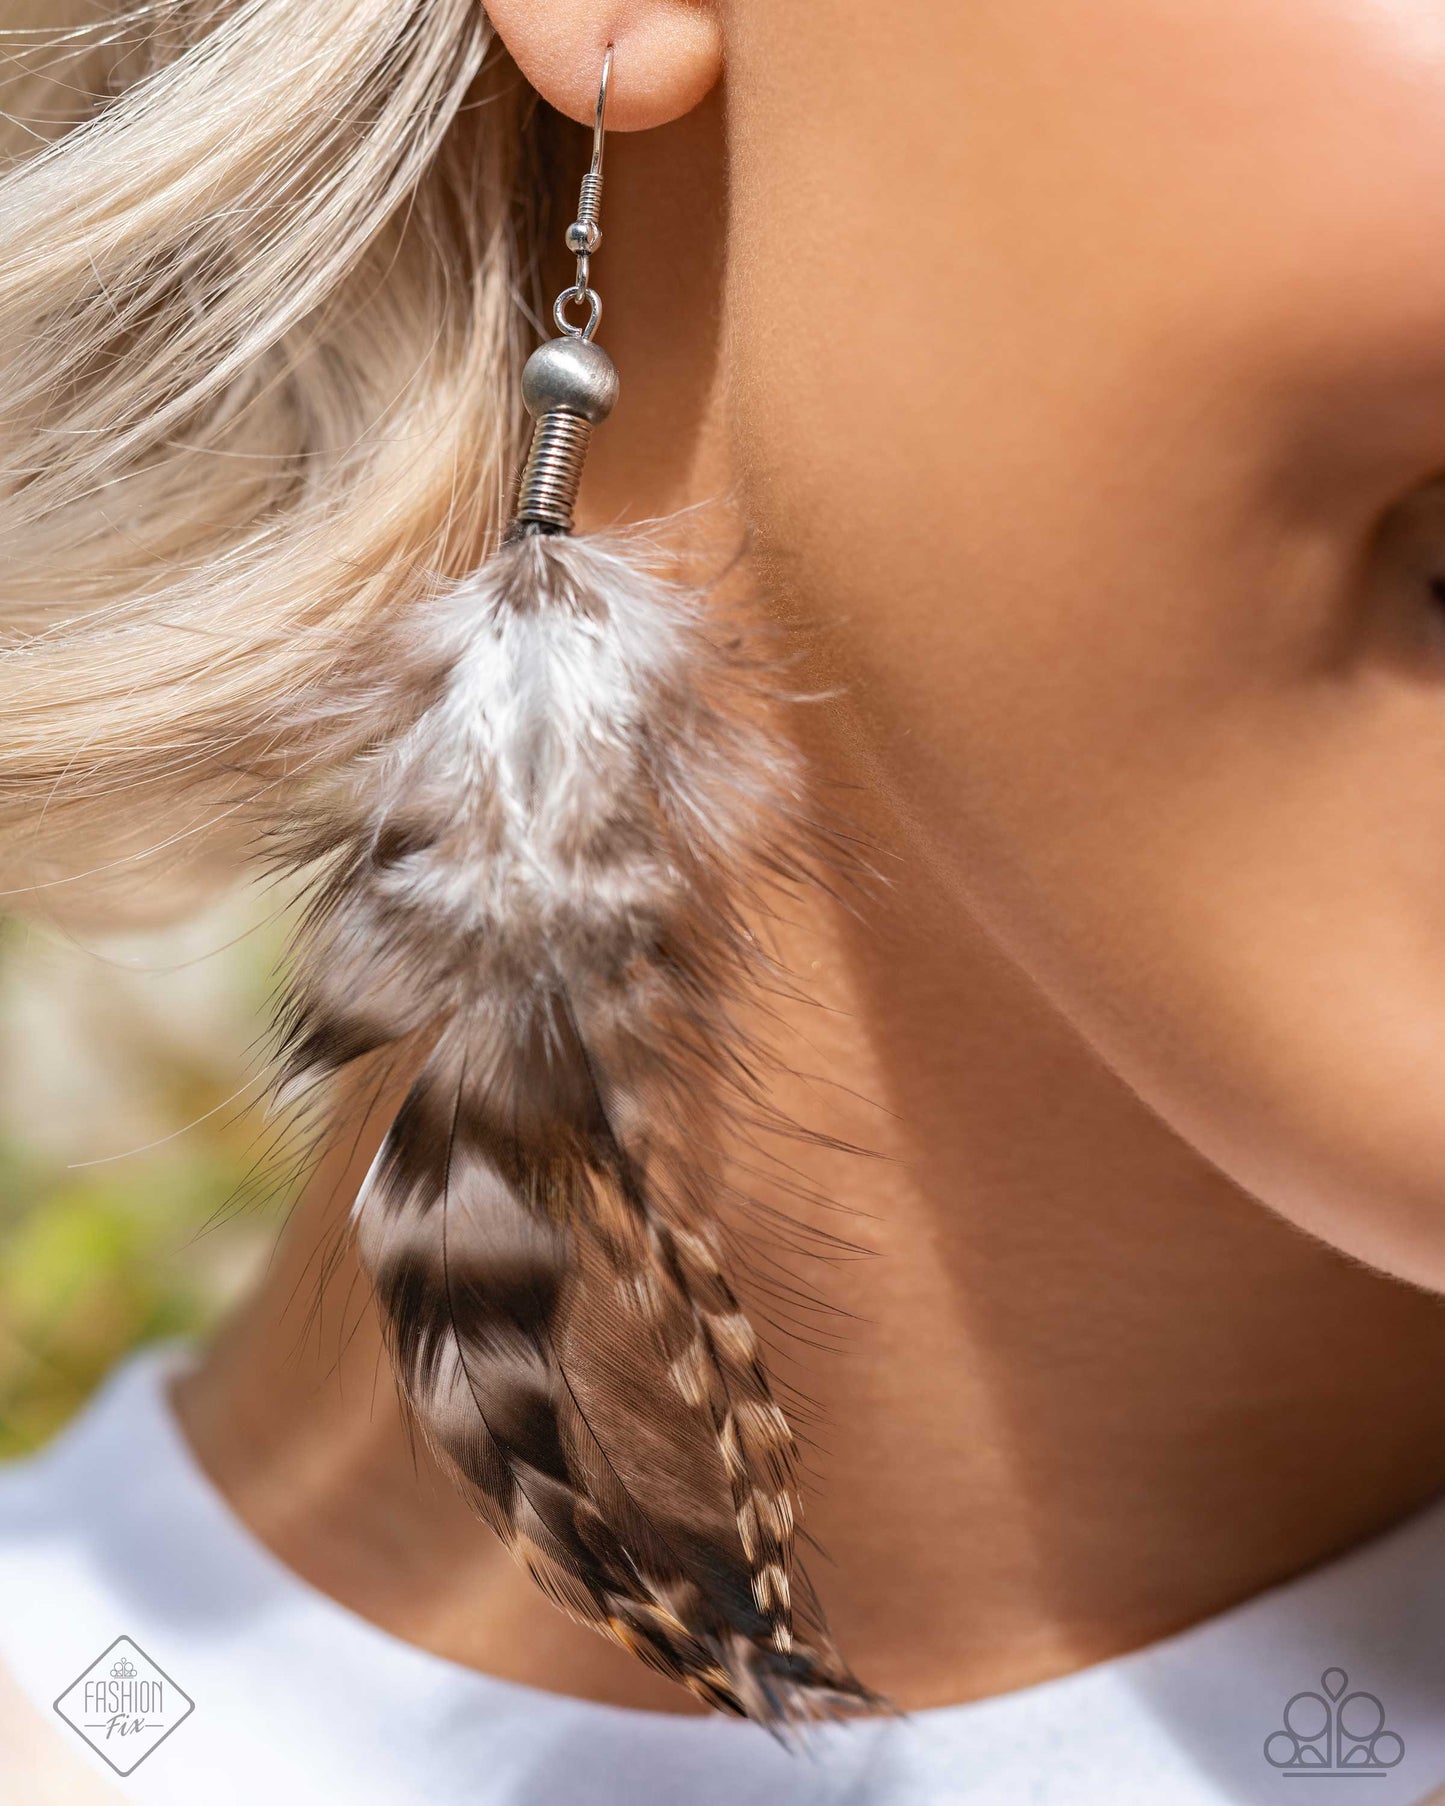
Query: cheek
{"type": "Point", "coordinates": [1079, 354]}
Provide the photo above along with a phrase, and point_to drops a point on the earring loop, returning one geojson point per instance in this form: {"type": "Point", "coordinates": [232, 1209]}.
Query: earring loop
{"type": "Point", "coordinates": [581, 295]}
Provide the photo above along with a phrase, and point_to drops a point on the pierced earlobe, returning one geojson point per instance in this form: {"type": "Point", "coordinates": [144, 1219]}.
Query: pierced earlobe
{"type": "Point", "coordinates": [669, 54]}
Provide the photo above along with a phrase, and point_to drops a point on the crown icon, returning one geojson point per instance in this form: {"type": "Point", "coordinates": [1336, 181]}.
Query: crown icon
{"type": "Point", "coordinates": [124, 1670]}
{"type": "Point", "coordinates": [1333, 1732]}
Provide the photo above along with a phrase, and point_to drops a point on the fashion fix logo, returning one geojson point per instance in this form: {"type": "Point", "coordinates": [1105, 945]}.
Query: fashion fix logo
{"type": "Point", "coordinates": [124, 1706]}
{"type": "Point", "coordinates": [1333, 1732]}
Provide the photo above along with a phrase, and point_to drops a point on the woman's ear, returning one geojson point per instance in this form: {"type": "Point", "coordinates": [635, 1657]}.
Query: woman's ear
{"type": "Point", "coordinates": [666, 54]}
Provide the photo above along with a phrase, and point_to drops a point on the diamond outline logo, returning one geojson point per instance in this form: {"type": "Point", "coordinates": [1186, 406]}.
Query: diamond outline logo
{"type": "Point", "coordinates": [98, 1670]}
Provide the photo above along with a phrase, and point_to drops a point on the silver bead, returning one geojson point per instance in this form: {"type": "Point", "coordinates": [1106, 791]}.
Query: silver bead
{"type": "Point", "coordinates": [583, 237]}
{"type": "Point", "coordinates": [570, 375]}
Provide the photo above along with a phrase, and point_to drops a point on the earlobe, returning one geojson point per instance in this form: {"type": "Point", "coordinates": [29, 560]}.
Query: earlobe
{"type": "Point", "coordinates": [667, 54]}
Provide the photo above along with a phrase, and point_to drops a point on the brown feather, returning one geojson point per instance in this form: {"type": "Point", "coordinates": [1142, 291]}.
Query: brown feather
{"type": "Point", "coordinates": [551, 864]}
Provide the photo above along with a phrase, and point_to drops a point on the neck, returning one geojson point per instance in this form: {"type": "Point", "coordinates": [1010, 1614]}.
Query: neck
{"type": "Point", "coordinates": [1081, 1391]}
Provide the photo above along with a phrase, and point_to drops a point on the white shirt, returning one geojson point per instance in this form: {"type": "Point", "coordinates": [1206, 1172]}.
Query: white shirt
{"type": "Point", "coordinates": [115, 1532]}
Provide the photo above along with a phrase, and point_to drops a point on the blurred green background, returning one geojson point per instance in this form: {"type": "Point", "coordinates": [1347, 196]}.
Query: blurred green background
{"type": "Point", "coordinates": [125, 1149]}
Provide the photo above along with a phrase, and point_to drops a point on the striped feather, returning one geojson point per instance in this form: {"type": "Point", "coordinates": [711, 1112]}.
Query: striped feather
{"type": "Point", "coordinates": [546, 870]}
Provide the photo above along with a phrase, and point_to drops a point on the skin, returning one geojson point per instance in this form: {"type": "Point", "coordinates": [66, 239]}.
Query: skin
{"type": "Point", "coordinates": [1080, 374]}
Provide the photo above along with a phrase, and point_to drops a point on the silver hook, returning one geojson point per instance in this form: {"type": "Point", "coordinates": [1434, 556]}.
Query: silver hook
{"type": "Point", "coordinates": [584, 235]}
{"type": "Point", "coordinates": [599, 129]}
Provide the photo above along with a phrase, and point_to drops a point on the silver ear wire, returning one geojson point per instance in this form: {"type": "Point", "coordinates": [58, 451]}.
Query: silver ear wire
{"type": "Point", "coordinates": [584, 235]}
{"type": "Point", "coordinates": [569, 384]}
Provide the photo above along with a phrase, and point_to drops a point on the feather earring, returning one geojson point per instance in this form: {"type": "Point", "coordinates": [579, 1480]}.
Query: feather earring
{"type": "Point", "coordinates": [543, 876]}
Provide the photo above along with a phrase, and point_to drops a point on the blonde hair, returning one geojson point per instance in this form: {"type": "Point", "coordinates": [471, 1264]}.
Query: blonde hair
{"type": "Point", "coordinates": [261, 306]}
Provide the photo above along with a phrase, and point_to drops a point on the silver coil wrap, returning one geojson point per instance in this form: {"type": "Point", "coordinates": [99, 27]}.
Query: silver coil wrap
{"type": "Point", "coordinates": [553, 472]}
